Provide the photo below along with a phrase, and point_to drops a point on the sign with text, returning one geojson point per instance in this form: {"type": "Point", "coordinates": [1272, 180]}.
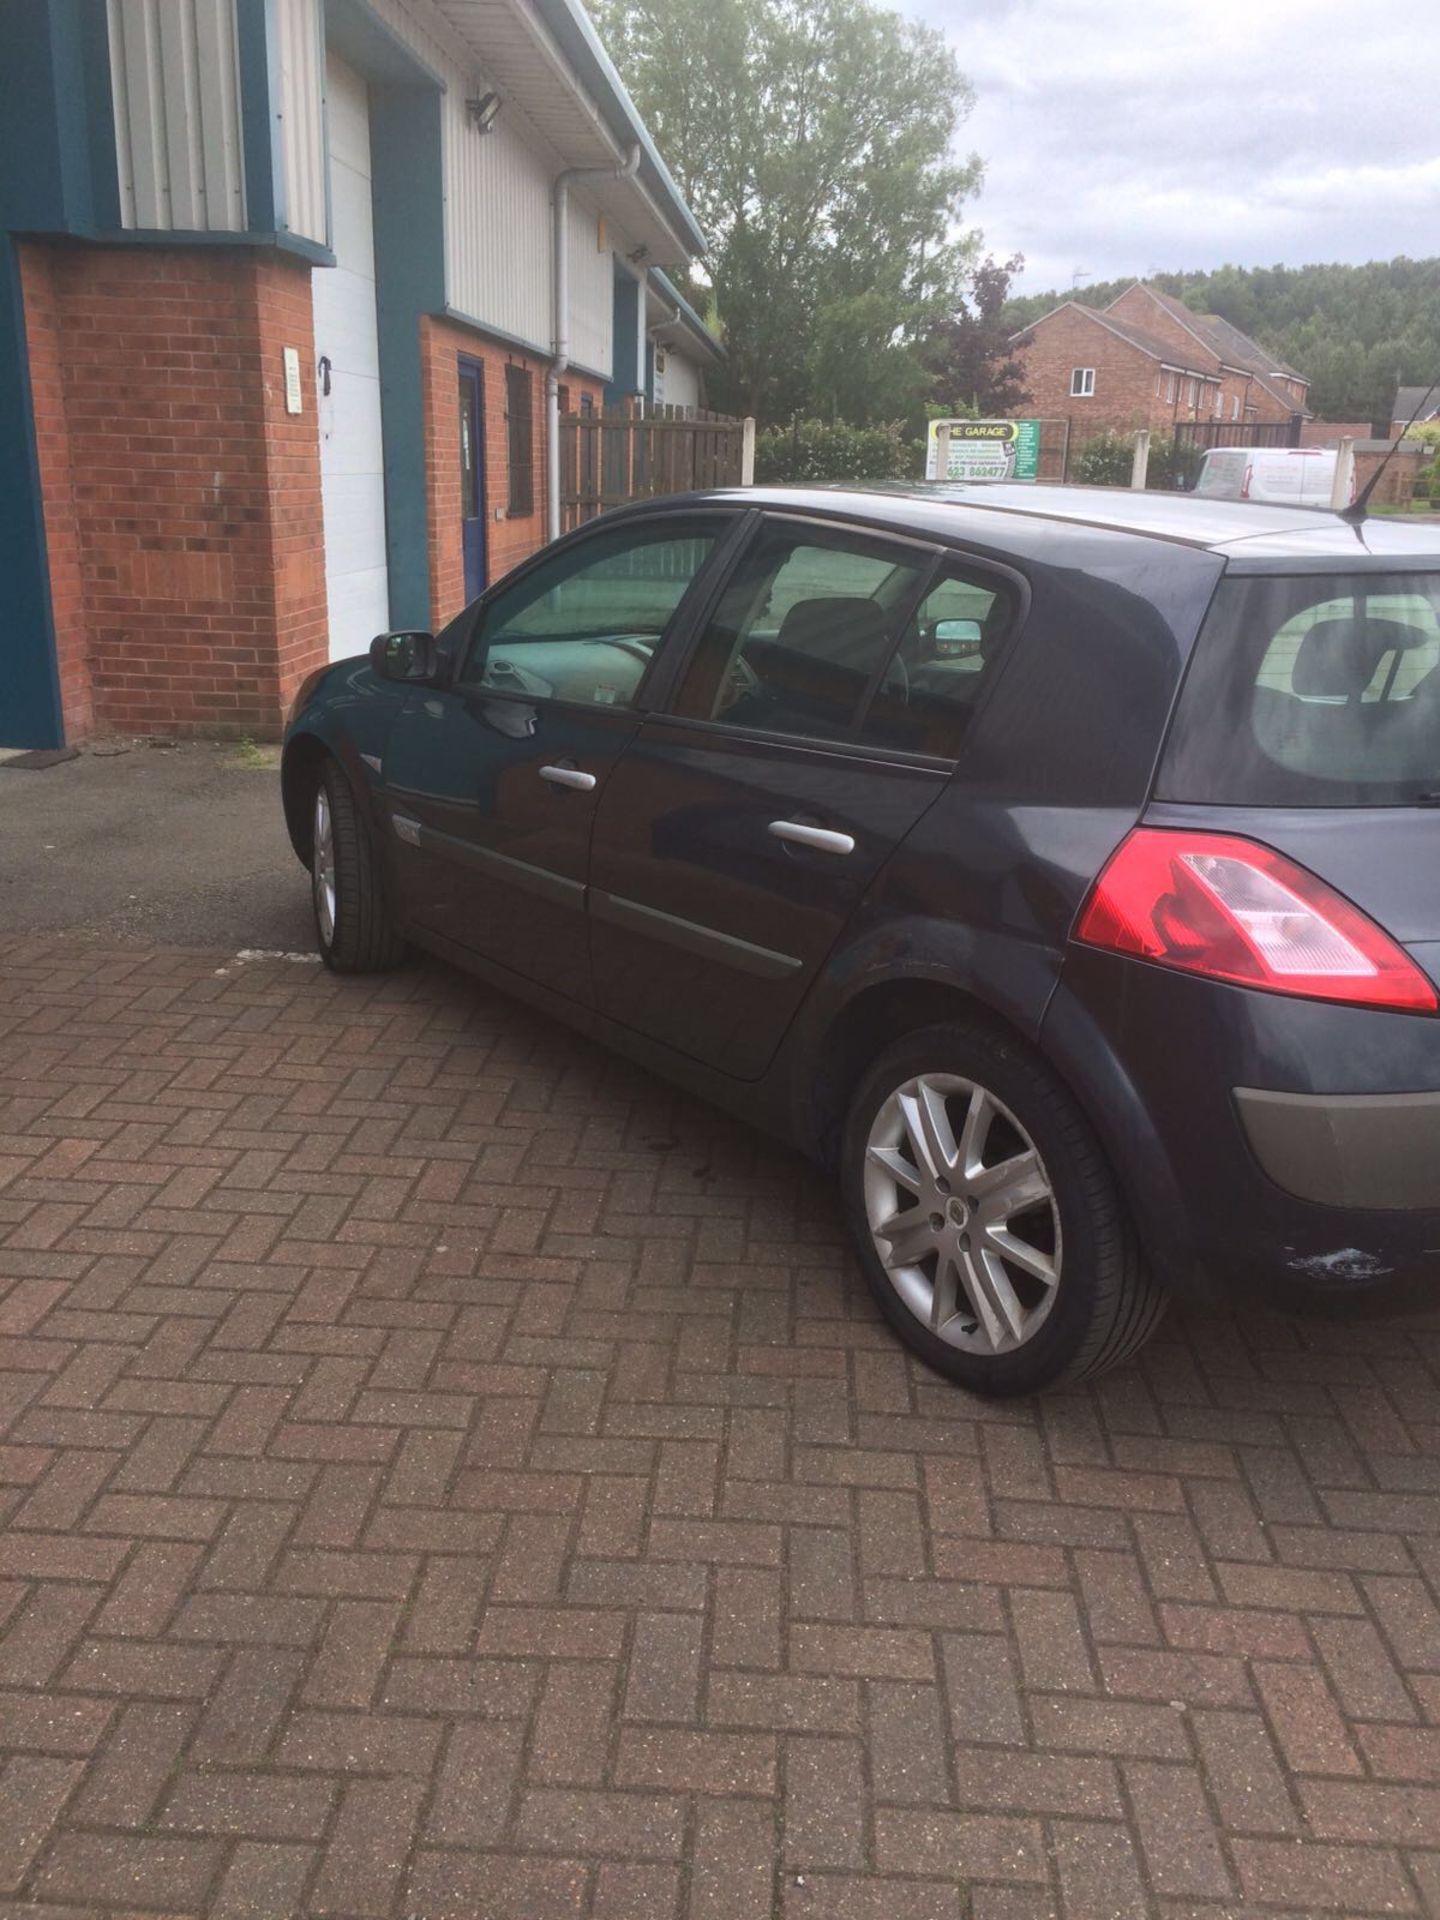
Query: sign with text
{"type": "Point", "coordinates": [985, 450]}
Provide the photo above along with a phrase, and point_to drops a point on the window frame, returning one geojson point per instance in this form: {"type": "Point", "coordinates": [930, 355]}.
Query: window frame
{"type": "Point", "coordinates": [680, 647]}
{"type": "Point", "coordinates": [1086, 378]}
{"type": "Point", "coordinates": [519, 428]}
{"type": "Point", "coordinates": [730, 524]}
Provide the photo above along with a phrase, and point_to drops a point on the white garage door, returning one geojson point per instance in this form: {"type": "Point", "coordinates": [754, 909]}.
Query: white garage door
{"type": "Point", "coordinates": [351, 459]}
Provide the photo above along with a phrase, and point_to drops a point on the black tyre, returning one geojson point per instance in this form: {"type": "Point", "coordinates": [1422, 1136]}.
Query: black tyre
{"type": "Point", "coordinates": [986, 1218]}
{"type": "Point", "coordinates": [353, 926]}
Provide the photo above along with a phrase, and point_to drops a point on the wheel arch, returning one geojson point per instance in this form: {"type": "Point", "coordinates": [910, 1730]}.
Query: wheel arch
{"type": "Point", "coordinates": [300, 763]}
{"type": "Point", "coordinates": [862, 1026]}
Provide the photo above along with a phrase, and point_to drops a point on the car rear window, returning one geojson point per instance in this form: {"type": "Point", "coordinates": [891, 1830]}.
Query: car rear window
{"type": "Point", "coordinates": [1313, 691]}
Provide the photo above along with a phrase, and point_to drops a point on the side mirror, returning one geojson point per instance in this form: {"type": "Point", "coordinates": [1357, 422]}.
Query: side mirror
{"type": "Point", "coordinates": [955, 638]}
{"type": "Point", "coordinates": [405, 656]}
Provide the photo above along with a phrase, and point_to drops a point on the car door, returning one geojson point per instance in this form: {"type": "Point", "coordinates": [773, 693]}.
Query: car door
{"type": "Point", "coordinates": [816, 720]}
{"type": "Point", "coordinates": [493, 781]}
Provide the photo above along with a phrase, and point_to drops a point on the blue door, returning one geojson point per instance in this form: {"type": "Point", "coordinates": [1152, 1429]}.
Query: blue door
{"type": "Point", "coordinates": [472, 477]}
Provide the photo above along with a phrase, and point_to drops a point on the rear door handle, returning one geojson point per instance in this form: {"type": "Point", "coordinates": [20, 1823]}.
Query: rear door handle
{"type": "Point", "coordinates": [568, 777]}
{"type": "Point", "coordinates": [821, 838]}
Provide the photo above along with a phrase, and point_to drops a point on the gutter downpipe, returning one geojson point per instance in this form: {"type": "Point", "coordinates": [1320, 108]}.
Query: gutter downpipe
{"type": "Point", "coordinates": [625, 169]}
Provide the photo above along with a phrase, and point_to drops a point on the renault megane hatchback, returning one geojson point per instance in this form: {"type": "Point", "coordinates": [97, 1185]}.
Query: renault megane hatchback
{"type": "Point", "coordinates": [1060, 867]}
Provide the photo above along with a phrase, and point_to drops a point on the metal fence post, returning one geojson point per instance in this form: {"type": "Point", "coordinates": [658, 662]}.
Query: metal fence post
{"type": "Point", "coordinates": [1141, 463]}
{"type": "Point", "coordinates": [747, 451]}
{"type": "Point", "coordinates": [1344, 472]}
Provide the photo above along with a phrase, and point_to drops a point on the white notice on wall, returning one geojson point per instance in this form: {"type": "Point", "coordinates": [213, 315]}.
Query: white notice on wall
{"type": "Point", "coordinates": [292, 379]}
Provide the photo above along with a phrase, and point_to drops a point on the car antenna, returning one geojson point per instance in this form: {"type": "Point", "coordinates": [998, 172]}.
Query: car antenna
{"type": "Point", "coordinates": [1355, 512]}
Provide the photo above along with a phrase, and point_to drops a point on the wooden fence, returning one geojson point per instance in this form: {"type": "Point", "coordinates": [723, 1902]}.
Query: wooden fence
{"type": "Point", "coordinates": [621, 453]}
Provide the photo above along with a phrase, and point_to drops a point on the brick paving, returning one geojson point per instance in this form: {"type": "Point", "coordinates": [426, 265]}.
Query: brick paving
{"type": "Point", "coordinates": [445, 1473]}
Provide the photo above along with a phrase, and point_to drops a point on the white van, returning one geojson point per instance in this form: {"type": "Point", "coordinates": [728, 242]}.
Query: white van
{"type": "Point", "coordinates": [1287, 476]}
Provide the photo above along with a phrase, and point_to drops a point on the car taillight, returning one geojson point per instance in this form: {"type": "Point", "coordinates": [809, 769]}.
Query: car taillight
{"type": "Point", "coordinates": [1230, 909]}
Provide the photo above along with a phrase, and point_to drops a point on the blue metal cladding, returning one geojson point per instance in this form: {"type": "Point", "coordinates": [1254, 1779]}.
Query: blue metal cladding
{"type": "Point", "coordinates": [29, 683]}
{"type": "Point", "coordinates": [625, 350]}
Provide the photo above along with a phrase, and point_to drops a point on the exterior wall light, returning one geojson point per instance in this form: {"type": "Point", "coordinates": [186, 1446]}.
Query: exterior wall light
{"type": "Point", "coordinates": [482, 111]}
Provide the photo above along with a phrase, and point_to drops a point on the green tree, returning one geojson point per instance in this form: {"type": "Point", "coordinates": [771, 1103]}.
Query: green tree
{"type": "Point", "coordinates": [813, 139]}
{"type": "Point", "coordinates": [969, 357]}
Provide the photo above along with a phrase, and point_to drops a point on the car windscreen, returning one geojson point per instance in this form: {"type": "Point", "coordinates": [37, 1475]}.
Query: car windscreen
{"type": "Point", "coordinates": [1320, 690]}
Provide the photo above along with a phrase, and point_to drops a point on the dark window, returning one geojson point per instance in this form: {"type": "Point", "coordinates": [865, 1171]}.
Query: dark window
{"type": "Point", "coordinates": [1314, 692]}
{"type": "Point", "coordinates": [925, 699]}
{"type": "Point", "coordinates": [583, 624]}
{"type": "Point", "coordinates": [520, 423]}
{"type": "Point", "coordinates": [803, 630]}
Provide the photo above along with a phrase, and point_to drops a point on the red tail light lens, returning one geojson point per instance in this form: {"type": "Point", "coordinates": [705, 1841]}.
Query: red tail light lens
{"type": "Point", "coordinates": [1230, 909]}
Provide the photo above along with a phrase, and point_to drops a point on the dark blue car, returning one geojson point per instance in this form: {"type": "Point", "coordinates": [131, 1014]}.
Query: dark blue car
{"type": "Point", "coordinates": [1061, 867]}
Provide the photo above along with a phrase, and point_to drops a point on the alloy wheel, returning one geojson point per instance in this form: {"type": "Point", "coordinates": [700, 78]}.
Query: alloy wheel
{"type": "Point", "coordinates": [962, 1214]}
{"type": "Point", "coordinates": [323, 866]}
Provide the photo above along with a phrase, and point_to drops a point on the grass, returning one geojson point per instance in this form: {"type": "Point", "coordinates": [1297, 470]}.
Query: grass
{"type": "Point", "coordinates": [254, 757]}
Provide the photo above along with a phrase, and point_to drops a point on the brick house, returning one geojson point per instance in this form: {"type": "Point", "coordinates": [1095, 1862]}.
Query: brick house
{"type": "Point", "coordinates": [1147, 361]}
{"type": "Point", "coordinates": [280, 338]}
{"type": "Point", "coordinates": [1422, 404]}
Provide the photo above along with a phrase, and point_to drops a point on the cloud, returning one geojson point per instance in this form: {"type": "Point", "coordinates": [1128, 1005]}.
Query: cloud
{"type": "Point", "coordinates": [1125, 135]}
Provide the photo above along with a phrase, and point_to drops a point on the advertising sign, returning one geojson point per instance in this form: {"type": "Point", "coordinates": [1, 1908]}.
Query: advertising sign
{"type": "Point", "coordinates": [986, 450]}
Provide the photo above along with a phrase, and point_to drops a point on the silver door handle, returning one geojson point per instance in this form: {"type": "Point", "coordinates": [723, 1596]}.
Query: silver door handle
{"type": "Point", "coordinates": [820, 838]}
{"type": "Point", "coordinates": [568, 777]}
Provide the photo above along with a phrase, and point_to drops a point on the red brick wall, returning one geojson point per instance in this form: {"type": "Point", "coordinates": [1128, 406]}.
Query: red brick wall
{"type": "Point", "coordinates": [1397, 483]}
{"type": "Point", "coordinates": [191, 522]}
{"type": "Point", "coordinates": [293, 521]}
{"type": "Point", "coordinates": [1328, 433]}
{"type": "Point", "coordinates": [508, 540]}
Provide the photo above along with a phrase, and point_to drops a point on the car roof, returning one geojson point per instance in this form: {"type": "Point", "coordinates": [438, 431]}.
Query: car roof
{"type": "Point", "coordinates": [1236, 530]}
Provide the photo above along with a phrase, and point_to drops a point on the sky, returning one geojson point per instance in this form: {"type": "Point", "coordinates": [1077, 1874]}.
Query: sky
{"type": "Point", "coordinates": [1121, 136]}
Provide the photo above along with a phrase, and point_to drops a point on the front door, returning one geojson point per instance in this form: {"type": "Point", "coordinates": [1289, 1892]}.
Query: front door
{"type": "Point", "coordinates": [492, 785]}
{"type": "Point", "coordinates": [813, 727]}
{"type": "Point", "coordinates": [472, 482]}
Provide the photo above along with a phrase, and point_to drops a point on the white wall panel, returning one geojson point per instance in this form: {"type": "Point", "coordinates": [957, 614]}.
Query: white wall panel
{"type": "Point", "coordinates": [302, 117]}
{"type": "Point", "coordinates": [497, 206]}
{"type": "Point", "coordinates": [352, 448]}
{"type": "Point", "coordinates": [174, 68]}
{"type": "Point", "coordinates": [682, 380]}
{"type": "Point", "coordinates": [592, 291]}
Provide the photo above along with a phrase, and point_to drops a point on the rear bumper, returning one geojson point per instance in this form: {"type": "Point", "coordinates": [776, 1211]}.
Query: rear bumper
{"type": "Point", "coordinates": [1261, 1142]}
{"type": "Point", "coordinates": [1377, 1151]}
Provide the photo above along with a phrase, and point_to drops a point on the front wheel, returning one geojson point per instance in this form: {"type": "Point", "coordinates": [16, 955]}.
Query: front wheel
{"type": "Point", "coordinates": [353, 926]}
{"type": "Point", "coordinates": [986, 1218]}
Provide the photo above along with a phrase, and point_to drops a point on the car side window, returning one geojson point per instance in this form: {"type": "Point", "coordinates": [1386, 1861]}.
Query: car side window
{"type": "Point", "coordinates": [946, 654]}
{"type": "Point", "coordinates": [584, 624]}
{"type": "Point", "coordinates": [806, 623]}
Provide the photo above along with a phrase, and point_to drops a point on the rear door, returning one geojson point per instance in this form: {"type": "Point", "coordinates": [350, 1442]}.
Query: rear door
{"type": "Point", "coordinates": [1310, 720]}
{"type": "Point", "coordinates": [813, 725]}
{"type": "Point", "coordinates": [493, 783]}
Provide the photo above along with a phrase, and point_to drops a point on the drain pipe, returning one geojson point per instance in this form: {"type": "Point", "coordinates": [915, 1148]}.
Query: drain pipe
{"type": "Point", "coordinates": [625, 169]}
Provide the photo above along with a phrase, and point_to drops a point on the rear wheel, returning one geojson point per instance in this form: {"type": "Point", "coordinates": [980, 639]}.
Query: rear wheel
{"type": "Point", "coordinates": [986, 1218]}
{"type": "Point", "coordinates": [353, 925]}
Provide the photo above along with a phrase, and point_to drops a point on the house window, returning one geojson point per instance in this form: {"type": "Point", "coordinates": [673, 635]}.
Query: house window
{"type": "Point", "coordinates": [1234, 406]}
{"type": "Point", "coordinates": [1082, 382]}
{"type": "Point", "coordinates": [520, 433]}
{"type": "Point", "coordinates": [1219, 404]}
{"type": "Point", "coordinates": [1169, 389]}
{"type": "Point", "coordinates": [1192, 394]}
